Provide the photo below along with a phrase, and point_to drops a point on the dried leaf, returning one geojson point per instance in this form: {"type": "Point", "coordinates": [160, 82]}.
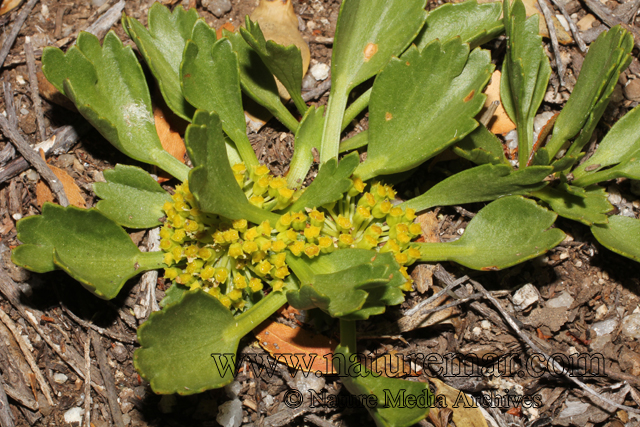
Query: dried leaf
{"type": "Point", "coordinates": [532, 8]}
{"type": "Point", "coordinates": [44, 194]}
{"type": "Point", "coordinates": [500, 123]}
{"type": "Point", "coordinates": [467, 413]}
{"type": "Point", "coordinates": [6, 227]}
{"type": "Point", "coordinates": [227, 26]}
{"type": "Point", "coordinates": [429, 224]}
{"type": "Point", "coordinates": [9, 5]}
{"type": "Point", "coordinates": [53, 95]}
{"type": "Point", "coordinates": [279, 339]}
{"type": "Point", "coordinates": [170, 139]}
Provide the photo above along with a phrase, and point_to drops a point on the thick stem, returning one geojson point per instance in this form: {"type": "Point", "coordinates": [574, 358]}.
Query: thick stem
{"type": "Point", "coordinates": [171, 165]}
{"type": "Point", "coordinates": [246, 152]}
{"type": "Point", "coordinates": [524, 144]}
{"type": "Point", "coordinates": [285, 117]}
{"type": "Point", "coordinates": [356, 108]}
{"type": "Point", "coordinates": [594, 178]}
{"type": "Point", "coordinates": [435, 252]}
{"type": "Point", "coordinates": [150, 260]}
{"type": "Point", "coordinates": [348, 335]}
{"type": "Point", "coordinates": [358, 140]}
{"type": "Point", "coordinates": [329, 148]}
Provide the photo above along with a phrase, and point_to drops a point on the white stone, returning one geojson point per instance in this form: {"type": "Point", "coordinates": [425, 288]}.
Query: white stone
{"type": "Point", "coordinates": [476, 331]}
{"type": "Point", "coordinates": [74, 415]}
{"type": "Point", "coordinates": [604, 327]}
{"type": "Point", "coordinates": [233, 389]}
{"type": "Point", "coordinates": [564, 23]}
{"type": "Point", "coordinates": [230, 414]}
{"type": "Point", "coordinates": [17, 216]}
{"type": "Point", "coordinates": [614, 194]}
{"type": "Point", "coordinates": [601, 312]}
{"type": "Point", "coordinates": [485, 324]}
{"type": "Point", "coordinates": [631, 326]}
{"type": "Point", "coordinates": [60, 378]}
{"type": "Point", "coordinates": [320, 71]}
{"type": "Point", "coordinates": [564, 300]}
{"type": "Point", "coordinates": [574, 407]}
{"type": "Point", "coordinates": [525, 297]}
{"type": "Point", "coordinates": [310, 382]}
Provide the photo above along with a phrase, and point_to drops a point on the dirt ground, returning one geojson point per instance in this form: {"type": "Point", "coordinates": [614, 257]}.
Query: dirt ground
{"type": "Point", "coordinates": [578, 298]}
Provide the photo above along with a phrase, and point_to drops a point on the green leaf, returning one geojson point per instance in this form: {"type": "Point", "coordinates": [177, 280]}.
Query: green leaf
{"type": "Point", "coordinates": [525, 73]}
{"type": "Point", "coordinates": [481, 184]}
{"type": "Point", "coordinates": [189, 346]}
{"type": "Point", "coordinates": [621, 234]}
{"type": "Point", "coordinates": [258, 82]}
{"type": "Point", "coordinates": [589, 209]}
{"type": "Point", "coordinates": [211, 82]}
{"type": "Point", "coordinates": [608, 56]}
{"type": "Point", "coordinates": [211, 180]}
{"type": "Point", "coordinates": [162, 46]}
{"type": "Point", "coordinates": [90, 247]}
{"type": "Point", "coordinates": [408, 126]}
{"type": "Point", "coordinates": [619, 146]}
{"type": "Point", "coordinates": [368, 34]}
{"type": "Point", "coordinates": [474, 23]}
{"type": "Point", "coordinates": [309, 136]}
{"type": "Point", "coordinates": [399, 402]}
{"type": "Point", "coordinates": [108, 87]}
{"type": "Point", "coordinates": [506, 232]}
{"type": "Point", "coordinates": [329, 185]}
{"type": "Point", "coordinates": [285, 62]}
{"type": "Point", "coordinates": [481, 147]}
{"type": "Point", "coordinates": [340, 283]}
{"type": "Point", "coordinates": [131, 197]}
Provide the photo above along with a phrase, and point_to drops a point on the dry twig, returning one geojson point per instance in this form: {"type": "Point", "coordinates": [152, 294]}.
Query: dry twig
{"type": "Point", "coordinates": [556, 366]}
{"type": "Point", "coordinates": [44, 385]}
{"type": "Point", "coordinates": [15, 30]}
{"type": "Point", "coordinates": [548, 17]}
{"type": "Point", "coordinates": [6, 419]}
{"type": "Point", "coordinates": [34, 159]}
{"type": "Point", "coordinates": [611, 20]}
{"type": "Point", "coordinates": [107, 378]}
{"type": "Point", "coordinates": [317, 92]}
{"type": "Point", "coordinates": [98, 329]}
{"type": "Point", "coordinates": [33, 86]}
{"type": "Point", "coordinates": [87, 382]}
{"type": "Point", "coordinates": [572, 26]}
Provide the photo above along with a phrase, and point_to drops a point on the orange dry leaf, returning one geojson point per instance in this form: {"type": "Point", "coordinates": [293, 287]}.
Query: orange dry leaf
{"type": "Point", "coordinates": [429, 225]}
{"type": "Point", "coordinates": [227, 26]}
{"type": "Point", "coordinates": [9, 5]}
{"type": "Point", "coordinates": [284, 342]}
{"type": "Point", "coordinates": [44, 194]}
{"type": "Point", "coordinates": [170, 139]}
{"type": "Point", "coordinates": [500, 123]}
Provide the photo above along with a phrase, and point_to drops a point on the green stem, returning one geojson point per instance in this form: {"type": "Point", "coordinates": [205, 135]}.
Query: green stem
{"type": "Point", "coordinates": [333, 124]}
{"type": "Point", "coordinates": [246, 152]}
{"type": "Point", "coordinates": [150, 260]}
{"type": "Point", "coordinates": [285, 117]}
{"type": "Point", "coordinates": [247, 321]}
{"type": "Point", "coordinates": [524, 143]}
{"type": "Point", "coordinates": [594, 178]}
{"type": "Point", "coordinates": [171, 165]}
{"type": "Point", "coordinates": [436, 252]}
{"type": "Point", "coordinates": [348, 336]}
{"type": "Point", "coordinates": [357, 141]}
{"type": "Point", "coordinates": [356, 108]}
{"type": "Point", "coordinates": [300, 104]}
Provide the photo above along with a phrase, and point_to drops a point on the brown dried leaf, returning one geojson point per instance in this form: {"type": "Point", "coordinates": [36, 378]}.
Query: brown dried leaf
{"type": "Point", "coordinates": [227, 26]}
{"type": "Point", "coordinates": [170, 139]}
{"type": "Point", "coordinates": [74, 195]}
{"type": "Point", "coordinates": [429, 223]}
{"type": "Point", "coordinates": [532, 7]}
{"type": "Point", "coordinates": [499, 123]}
{"type": "Point", "coordinates": [466, 413]}
{"type": "Point", "coordinates": [9, 5]}
{"type": "Point", "coordinates": [279, 340]}
{"type": "Point", "coordinates": [53, 95]}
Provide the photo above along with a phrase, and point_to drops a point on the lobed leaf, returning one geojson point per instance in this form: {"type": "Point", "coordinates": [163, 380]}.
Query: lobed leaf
{"type": "Point", "coordinates": [107, 85]}
{"type": "Point", "coordinates": [346, 281]}
{"type": "Point", "coordinates": [389, 411]}
{"type": "Point", "coordinates": [589, 208]}
{"type": "Point", "coordinates": [329, 185]}
{"type": "Point", "coordinates": [481, 147]}
{"type": "Point", "coordinates": [131, 197]}
{"type": "Point", "coordinates": [258, 82]}
{"type": "Point", "coordinates": [285, 62]}
{"type": "Point", "coordinates": [480, 184]}
{"type": "Point", "coordinates": [621, 234]}
{"type": "Point", "coordinates": [86, 244]}
{"type": "Point", "coordinates": [474, 23]}
{"type": "Point", "coordinates": [162, 46]}
{"type": "Point", "coordinates": [608, 56]}
{"type": "Point", "coordinates": [211, 82]}
{"type": "Point", "coordinates": [506, 232]}
{"type": "Point", "coordinates": [525, 73]}
{"type": "Point", "coordinates": [211, 180]}
{"type": "Point", "coordinates": [408, 126]}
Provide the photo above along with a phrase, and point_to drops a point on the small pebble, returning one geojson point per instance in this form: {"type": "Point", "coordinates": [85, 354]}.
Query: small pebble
{"type": "Point", "coordinates": [24, 111]}
{"type": "Point", "coordinates": [631, 326]}
{"type": "Point", "coordinates": [32, 175]}
{"type": "Point", "coordinates": [614, 194]}
{"type": "Point", "coordinates": [17, 216]}
{"type": "Point", "coordinates": [310, 382]}
{"type": "Point", "coordinates": [601, 312]}
{"type": "Point", "coordinates": [74, 415]}
{"type": "Point", "coordinates": [320, 71]}
{"type": "Point", "coordinates": [308, 82]}
{"type": "Point", "coordinates": [485, 324]}
{"type": "Point", "coordinates": [604, 327]}
{"type": "Point", "coordinates": [525, 297]}
{"type": "Point", "coordinates": [233, 389]}
{"type": "Point", "coordinates": [60, 378]}
{"type": "Point", "coordinates": [632, 90]}
{"type": "Point", "coordinates": [20, 80]}
{"type": "Point", "coordinates": [66, 160]}
{"type": "Point", "coordinates": [217, 7]}
{"type": "Point", "coordinates": [230, 414]}
{"type": "Point", "coordinates": [564, 300]}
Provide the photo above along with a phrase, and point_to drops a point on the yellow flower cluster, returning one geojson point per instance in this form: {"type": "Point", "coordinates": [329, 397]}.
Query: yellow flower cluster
{"type": "Point", "coordinates": [232, 260]}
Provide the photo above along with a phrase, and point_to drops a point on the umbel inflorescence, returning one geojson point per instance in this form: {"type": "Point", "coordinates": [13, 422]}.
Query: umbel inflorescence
{"type": "Point", "coordinates": [234, 260]}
